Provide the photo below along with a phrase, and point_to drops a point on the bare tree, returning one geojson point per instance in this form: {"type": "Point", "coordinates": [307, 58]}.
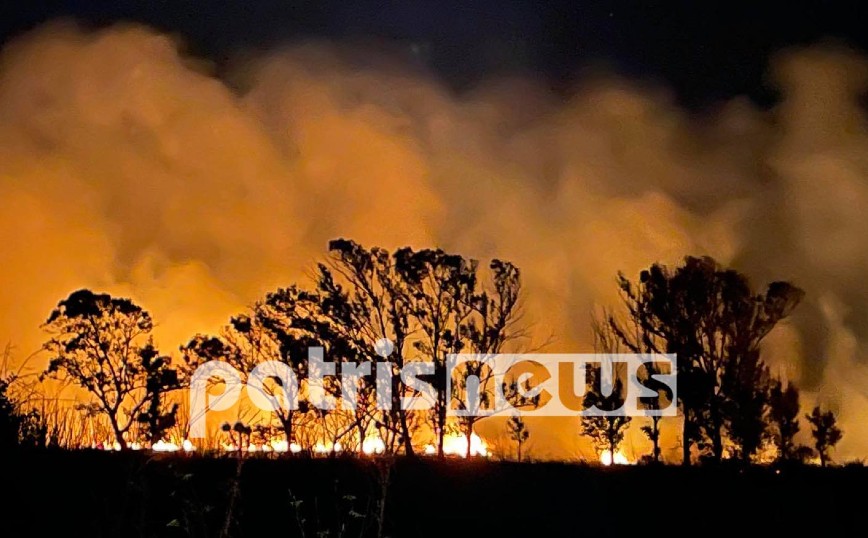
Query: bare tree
{"type": "Point", "coordinates": [615, 335]}
{"type": "Point", "coordinates": [494, 321]}
{"type": "Point", "coordinates": [368, 304]}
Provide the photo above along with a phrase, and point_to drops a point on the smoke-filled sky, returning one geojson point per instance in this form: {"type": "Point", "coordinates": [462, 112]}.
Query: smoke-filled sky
{"type": "Point", "coordinates": [194, 163]}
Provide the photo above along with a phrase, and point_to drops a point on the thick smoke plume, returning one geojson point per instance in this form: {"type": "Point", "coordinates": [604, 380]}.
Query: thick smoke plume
{"type": "Point", "coordinates": [126, 167]}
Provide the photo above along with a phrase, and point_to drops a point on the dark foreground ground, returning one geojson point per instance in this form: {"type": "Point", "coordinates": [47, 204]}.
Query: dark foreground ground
{"type": "Point", "coordinates": [98, 494]}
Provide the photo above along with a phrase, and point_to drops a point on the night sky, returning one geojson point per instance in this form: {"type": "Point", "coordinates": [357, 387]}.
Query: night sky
{"type": "Point", "coordinates": [705, 51]}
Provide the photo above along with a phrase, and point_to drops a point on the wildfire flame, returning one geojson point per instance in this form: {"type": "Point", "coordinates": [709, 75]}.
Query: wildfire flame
{"type": "Point", "coordinates": [453, 445]}
{"type": "Point", "coordinates": [373, 445]}
{"type": "Point", "coordinates": [620, 458]}
{"type": "Point", "coordinates": [325, 448]}
{"type": "Point", "coordinates": [163, 446]}
{"type": "Point", "coordinates": [283, 446]}
{"type": "Point", "coordinates": [456, 445]}
{"type": "Point", "coordinates": [167, 446]}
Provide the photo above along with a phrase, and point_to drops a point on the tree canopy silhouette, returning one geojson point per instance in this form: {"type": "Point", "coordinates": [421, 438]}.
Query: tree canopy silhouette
{"type": "Point", "coordinates": [104, 345]}
{"type": "Point", "coordinates": [784, 415]}
{"type": "Point", "coordinates": [429, 301]}
{"type": "Point", "coordinates": [518, 432]}
{"type": "Point", "coordinates": [18, 427]}
{"type": "Point", "coordinates": [279, 329]}
{"type": "Point", "coordinates": [404, 307]}
{"type": "Point", "coordinates": [826, 433]}
{"type": "Point", "coordinates": [715, 322]}
{"type": "Point", "coordinates": [606, 432]}
{"type": "Point", "coordinates": [396, 309]}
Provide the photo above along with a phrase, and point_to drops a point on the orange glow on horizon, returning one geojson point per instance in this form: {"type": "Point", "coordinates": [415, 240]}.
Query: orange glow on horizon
{"type": "Point", "coordinates": [456, 445]}
{"type": "Point", "coordinates": [620, 459]}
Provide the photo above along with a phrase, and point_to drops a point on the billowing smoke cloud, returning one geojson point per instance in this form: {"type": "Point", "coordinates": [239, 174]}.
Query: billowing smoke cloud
{"type": "Point", "coordinates": [126, 167]}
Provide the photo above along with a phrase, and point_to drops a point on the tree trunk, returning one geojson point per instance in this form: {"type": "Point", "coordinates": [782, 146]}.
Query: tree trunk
{"type": "Point", "coordinates": [397, 391]}
{"type": "Point", "coordinates": [468, 434]}
{"type": "Point", "coordinates": [287, 430]}
{"type": "Point", "coordinates": [685, 439]}
{"type": "Point", "coordinates": [656, 431]}
{"type": "Point", "coordinates": [441, 428]}
{"type": "Point", "coordinates": [715, 433]}
{"type": "Point", "coordinates": [119, 435]}
{"type": "Point", "coordinates": [405, 434]}
{"type": "Point", "coordinates": [361, 437]}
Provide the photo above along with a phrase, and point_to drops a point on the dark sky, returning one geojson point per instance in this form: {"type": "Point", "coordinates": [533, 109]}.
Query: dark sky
{"type": "Point", "coordinates": [705, 50]}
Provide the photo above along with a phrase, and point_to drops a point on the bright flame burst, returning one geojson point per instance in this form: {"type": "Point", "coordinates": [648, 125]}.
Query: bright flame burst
{"type": "Point", "coordinates": [167, 446]}
{"type": "Point", "coordinates": [327, 448]}
{"type": "Point", "coordinates": [373, 445]}
{"type": "Point", "coordinates": [163, 446]}
{"type": "Point", "coordinates": [283, 446]}
{"type": "Point", "coordinates": [453, 445]}
{"type": "Point", "coordinates": [456, 445]}
{"type": "Point", "coordinates": [620, 458]}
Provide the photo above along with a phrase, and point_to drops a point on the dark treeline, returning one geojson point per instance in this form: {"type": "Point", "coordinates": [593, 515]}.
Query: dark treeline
{"type": "Point", "coordinates": [425, 304]}
{"type": "Point", "coordinates": [134, 494]}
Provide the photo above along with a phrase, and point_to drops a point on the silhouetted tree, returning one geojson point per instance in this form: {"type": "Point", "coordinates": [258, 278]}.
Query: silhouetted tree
{"type": "Point", "coordinates": [238, 433]}
{"type": "Point", "coordinates": [825, 432]}
{"type": "Point", "coordinates": [367, 302]}
{"type": "Point", "coordinates": [17, 427]}
{"type": "Point", "coordinates": [9, 422]}
{"type": "Point", "coordinates": [427, 300]}
{"type": "Point", "coordinates": [652, 432]}
{"type": "Point", "coordinates": [281, 328]}
{"type": "Point", "coordinates": [744, 402]}
{"type": "Point", "coordinates": [784, 416]}
{"type": "Point", "coordinates": [804, 454]}
{"type": "Point", "coordinates": [518, 432]}
{"type": "Point", "coordinates": [296, 320]}
{"type": "Point", "coordinates": [490, 325]}
{"type": "Point", "coordinates": [103, 344]}
{"type": "Point", "coordinates": [157, 418]}
{"type": "Point", "coordinates": [441, 289]}
{"type": "Point", "coordinates": [606, 432]}
{"type": "Point", "coordinates": [714, 322]}
{"type": "Point", "coordinates": [517, 400]}
{"type": "Point", "coordinates": [613, 335]}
